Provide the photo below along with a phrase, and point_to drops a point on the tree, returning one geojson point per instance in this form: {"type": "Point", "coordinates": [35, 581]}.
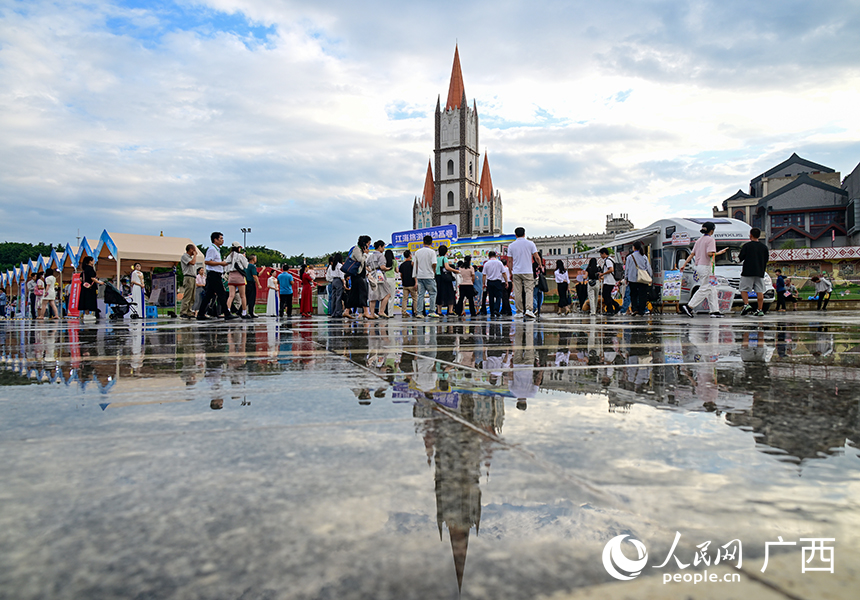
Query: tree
{"type": "Point", "coordinates": [788, 245]}
{"type": "Point", "coordinates": [12, 254]}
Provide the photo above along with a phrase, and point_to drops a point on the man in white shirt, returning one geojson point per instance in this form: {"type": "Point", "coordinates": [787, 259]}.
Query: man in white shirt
{"type": "Point", "coordinates": [608, 277]}
{"type": "Point", "coordinates": [425, 275]}
{"type": "Point", "coordinates": [214, 284]}
{"type": "Point", "coordinates": [495, 279]}
{"type": "Point", "coordinates": [523, 251]}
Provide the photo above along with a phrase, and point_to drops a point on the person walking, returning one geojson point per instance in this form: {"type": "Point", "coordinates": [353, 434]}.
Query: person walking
{"type": "Point", "coordinates": [562, 282]}
{"type": "Point", "coordinates": [237, 264]}
{"type": "Point", "coordinates": [214, 290]}
{"type": "Point", "coordinates": [334, 275]}
{"type": "Point", "coordinates": [582, 289]}
{"type": "Point", "coordinates": [780, 291]}
{"type": "Point", "coordinates": [410, 285]}
{"type": "Point", "coordinates": [823, 288]}
{"type": "Point", "coordinates": [425, 273]}
{"type": "Point", "coordinates": [2, 303]}
{"type": "Point", "coordinates": [523, 253]}
{"type": "Point", "coordinates": [378, 289]}
{"type": "Point", "coordinates": [390, 272]}
{"type": "Point", "coordinates": [39, 293]}
{"type": "Point", "coordinates": [704, 252]}
{"type": "Point", "coordinates": [285, 291]}
{"type": "Point", "coordinates": [30, 288]}
{"type": "Point", "coordinates": [478, 286]}
{"type": "Point", "coordinates": [637, 262]}
{"type": "Point", "coordinates": [252, 282]}
{"type": "Point", "coordinates": [592, 274]}
{"type": "Point", "coordinates": [467, 288]}
{"type": "Point", "coordinates": [495, 279]}
{"type": "Point", "coordinates": [444, 282]}
{"type": "Point", "coordinates": [754, 255]}
{"type": "Point", "coordinates": [189, 280]}
{"type": "Point", "coordinates": [608, 278]}
{"type": "Point", "coordinates": [89, 289]}
{"type": "Point", "coordinates": [306, 303]}
{"type": "Point", "coordinates": [49, 296]}
{"type": "Point", "coordinates": [138, 290]}
{"type": "Point", "coordinates": [509, 286]}
{"type": "Point", "coordinates": [538, 270]}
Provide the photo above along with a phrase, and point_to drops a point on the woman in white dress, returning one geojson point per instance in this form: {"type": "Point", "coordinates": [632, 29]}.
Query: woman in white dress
{"type": "Point", "coordinates": [138, 291]}
{"type": "Point", "coordinates": [273, 297]}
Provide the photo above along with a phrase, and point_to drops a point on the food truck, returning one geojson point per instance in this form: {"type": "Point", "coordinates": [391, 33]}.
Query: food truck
{"type": "Point", "coordinates": [669, 242]}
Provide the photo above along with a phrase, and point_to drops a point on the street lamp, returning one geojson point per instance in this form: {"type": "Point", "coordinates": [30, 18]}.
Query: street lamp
{"type": "Point", "coordinates": [245, 232]}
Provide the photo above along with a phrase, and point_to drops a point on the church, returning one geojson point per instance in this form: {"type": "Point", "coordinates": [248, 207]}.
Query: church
{"type": "Point", "coordinates": [458, 193]}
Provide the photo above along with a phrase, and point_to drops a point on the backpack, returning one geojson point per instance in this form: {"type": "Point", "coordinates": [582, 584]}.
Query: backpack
{"type": "Point", "coordinates": [350, 265]}
{"type": "Point", "coordinates": [617, 269]}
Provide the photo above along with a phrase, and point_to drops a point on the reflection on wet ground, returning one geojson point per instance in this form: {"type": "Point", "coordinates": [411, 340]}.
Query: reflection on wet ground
{"type": "Point", "coordinates": [315, 459]}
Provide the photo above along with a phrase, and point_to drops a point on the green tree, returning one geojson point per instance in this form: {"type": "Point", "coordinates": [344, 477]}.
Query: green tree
{"type": "Point", "coordinates": [12, 254]}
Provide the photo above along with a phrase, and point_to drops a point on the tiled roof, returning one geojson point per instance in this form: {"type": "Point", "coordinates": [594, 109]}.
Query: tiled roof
{"type": "Point", "coordinates": [803, 179]}
{"type": "Point", "coordinates": [794, 159]}
{"type": "Point", "coordinates": [456, 89]}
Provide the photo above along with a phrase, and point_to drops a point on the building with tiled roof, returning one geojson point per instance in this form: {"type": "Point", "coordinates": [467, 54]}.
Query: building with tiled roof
{"type": "Point", "coordinates": [458, 194]}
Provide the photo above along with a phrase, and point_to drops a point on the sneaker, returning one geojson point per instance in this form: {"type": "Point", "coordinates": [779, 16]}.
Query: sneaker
{"type": "Point", "coordinates": [530, 314]}
{"type": "Point", "coordinates": [716, 315]}
{"type": "Point", "coordinates": [758, 313]}
{"type": "Point", "coordinates": [686, 310]}
{"type": "Point", "coordinates": [747, 309]}
{"type": "Point", "coordinates": [433, 315]}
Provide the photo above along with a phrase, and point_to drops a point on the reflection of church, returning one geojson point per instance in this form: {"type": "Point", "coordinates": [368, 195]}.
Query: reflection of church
{"type": "Point", "coordinates": [459, 452]}
{"type": "Point", "coordinates": [456, 194]}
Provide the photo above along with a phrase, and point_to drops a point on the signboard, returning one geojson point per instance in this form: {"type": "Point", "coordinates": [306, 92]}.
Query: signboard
{"type": "Point", "coordinates": [74, 296]}
{"type": "Point", "coordinates": [681, 238]}
{"type": "Point", "coordinates": [671, 286]}
{"type": "Point", "coordinates": [446, 232]}
{"type": "Point", "coordinates": [166, 282]}
{"type": "Point", "coordinates": [413, 246]}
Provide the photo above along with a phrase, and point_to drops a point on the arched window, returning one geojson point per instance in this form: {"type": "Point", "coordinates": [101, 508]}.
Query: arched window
{"type": "Point", "coordinates": [486, 221]}
{"type": "Point", "coordinates": [450, 198]}
{"type": "Point", "coordinates": [740, 214]}
{"type": "Point", "coordinates": [470, 169]}
{"type": "Point", "coordinates": [450, 167]}
{"type": "Point", "coordinates": [477, 221]}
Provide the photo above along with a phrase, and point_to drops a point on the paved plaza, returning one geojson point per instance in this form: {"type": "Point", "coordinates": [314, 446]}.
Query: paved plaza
{"type": "Point", "coordinates": [407, 459]}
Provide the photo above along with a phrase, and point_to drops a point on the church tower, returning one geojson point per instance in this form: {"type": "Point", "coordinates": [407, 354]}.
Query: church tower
{"type": "Point", "coordinates": [454, 195]}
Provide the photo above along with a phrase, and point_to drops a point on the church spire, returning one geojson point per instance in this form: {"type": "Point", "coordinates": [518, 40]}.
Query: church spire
{"type": "Point", "coordinates": [456, 89]}
{"type": "Point", "coordinates": [429, 186]}
{"type": "Point", "coordinates": [486, 180]}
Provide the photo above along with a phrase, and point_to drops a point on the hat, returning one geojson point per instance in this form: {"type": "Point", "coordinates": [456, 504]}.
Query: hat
{"type": "Point", "coordinates": [707, 226]}
{"type": "Point", "coordinates": [235, 245]}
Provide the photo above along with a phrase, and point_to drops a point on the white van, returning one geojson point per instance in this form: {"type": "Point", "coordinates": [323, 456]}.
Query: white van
{"type": "Point", "coordinates": [670, 241]}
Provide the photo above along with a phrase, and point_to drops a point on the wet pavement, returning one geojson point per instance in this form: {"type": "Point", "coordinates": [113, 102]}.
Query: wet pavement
{"type": "Point", "coordinates": [409, 459]}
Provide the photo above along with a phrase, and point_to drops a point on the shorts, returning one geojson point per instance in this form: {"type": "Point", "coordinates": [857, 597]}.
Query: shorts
{"type": "Point", "coordinates": [752, 284]}
{"type": "Point", "coordinates": [236, 278]}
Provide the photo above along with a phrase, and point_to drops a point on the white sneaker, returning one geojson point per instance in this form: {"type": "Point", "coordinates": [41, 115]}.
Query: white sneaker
{"type": "Point", "coordinates": [433, 315]}
{"type": "Point", "coordinates": [530, 314]}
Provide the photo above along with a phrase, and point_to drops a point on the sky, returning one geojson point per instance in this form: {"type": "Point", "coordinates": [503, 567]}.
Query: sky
{"type": "Point", "coordinates": [312, 122]}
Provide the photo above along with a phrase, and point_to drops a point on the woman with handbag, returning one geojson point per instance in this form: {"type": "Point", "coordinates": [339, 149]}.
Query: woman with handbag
{"type": "Point", "coordinates": [356, 268]}
{"type": "Point", "coordinates": [562, 282]}
{"type": "Point", "coordinates": [637, 271]}
{"type": "Point", "coordinates": [592, 272]}
{"type": "Point", "coordinates": [237, 264]}
{"type": "Point", "coordinates": [466, 287]}
{"type": "Point", "coordinates": [444, 282]}
{"type": "Point", "coordinates": [379, 288]}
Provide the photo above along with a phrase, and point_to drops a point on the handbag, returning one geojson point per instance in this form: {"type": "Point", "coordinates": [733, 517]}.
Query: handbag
{"type": "Point", "coordinates": [642, 275]}
{"type": "Point", "coordinates": [542, 284]}
{"type": "Point", "coordinates": [350, 265]}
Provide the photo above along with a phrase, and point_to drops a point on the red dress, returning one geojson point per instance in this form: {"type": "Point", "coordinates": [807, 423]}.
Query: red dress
{"type": "Point", "coordinates": [306, 306]}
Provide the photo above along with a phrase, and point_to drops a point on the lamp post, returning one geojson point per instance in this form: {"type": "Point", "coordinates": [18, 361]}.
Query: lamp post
{"type": "Point", "coordinates": [245, 232]}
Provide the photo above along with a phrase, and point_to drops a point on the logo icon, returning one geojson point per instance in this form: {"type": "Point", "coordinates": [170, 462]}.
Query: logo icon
{"type": "Point", "coordinates": [613, 557]}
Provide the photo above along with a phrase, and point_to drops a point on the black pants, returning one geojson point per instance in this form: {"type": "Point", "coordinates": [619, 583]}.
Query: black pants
{"type": "Point", "coordinates": [823, 297]}
{"type": "Point", "coordinates": [506, 299]}
{"type": "Point", "coordinates": [251, 296]}
{"type": "Point", "coordinates": [286, 302]}
{"type": "Point", "coordinates": [639, 297]}
{"type": "Point", "coordinates": [608, 303]}
{"type": "Point", "coordinates": [780, 299]}
{"type": "Point", "coordinates": [484, 296]}
{"type": "Point", "coordinates": [582, 294]}
{"type": "Point", "coordinates": [495, 290]}
{"type": "Point", "coordinates": [33, 306]}
{"type": "Point", "coordinates": [467, 292]}
{"type": "Point", "coordinates": [214, 290]}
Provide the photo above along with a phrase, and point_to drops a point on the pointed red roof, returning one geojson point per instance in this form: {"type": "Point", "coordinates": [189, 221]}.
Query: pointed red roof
{"type": "Point", "coordinates": [459, 547]}
{"type": "Point", "coordinates": [486, 180]}
{"type": "Point", "coordinates": [456, 89]}
{"type": "Point", "coordinates": [429, 186]}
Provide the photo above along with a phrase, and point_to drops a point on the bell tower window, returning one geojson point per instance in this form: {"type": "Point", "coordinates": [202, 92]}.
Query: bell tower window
{"type": "Point", "coordinates": [450, 167]}
{"type": "Point", "coordinates": [450, 198]}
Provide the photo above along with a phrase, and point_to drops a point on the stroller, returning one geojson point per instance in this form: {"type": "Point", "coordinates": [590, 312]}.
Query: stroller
{"type": "Point", "coordinates": [119, 304]}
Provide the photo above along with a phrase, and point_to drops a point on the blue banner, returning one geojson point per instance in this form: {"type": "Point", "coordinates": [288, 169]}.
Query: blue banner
{"type": "Point", "coordinates": [442, 232]}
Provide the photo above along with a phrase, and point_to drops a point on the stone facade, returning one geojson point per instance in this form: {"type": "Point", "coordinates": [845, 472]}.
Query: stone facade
{"type": "Point", "coordinates": [566, 246]}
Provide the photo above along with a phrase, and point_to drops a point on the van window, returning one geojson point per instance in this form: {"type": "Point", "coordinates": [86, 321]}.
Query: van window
{"type": "Point", "coordinates": [680, 256]}
{"type": "Point", "coordinates": [729, 258]}
{"type": "Point", "coordinates": [657, 260]}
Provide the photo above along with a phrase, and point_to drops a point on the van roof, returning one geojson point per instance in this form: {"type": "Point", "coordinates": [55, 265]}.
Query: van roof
{"type": "Point", "coordinates": [726, 229]}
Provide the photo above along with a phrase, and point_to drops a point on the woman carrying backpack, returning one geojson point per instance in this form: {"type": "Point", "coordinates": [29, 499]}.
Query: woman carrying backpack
{"type": "Point", "coordinates": [635, 270]}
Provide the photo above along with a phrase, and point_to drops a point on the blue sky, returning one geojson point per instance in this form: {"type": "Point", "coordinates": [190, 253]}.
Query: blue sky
{"type": "Point", "coordinates": [312, 123]}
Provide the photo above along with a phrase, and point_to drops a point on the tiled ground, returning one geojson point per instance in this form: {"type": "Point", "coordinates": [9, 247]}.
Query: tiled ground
{"type": "Point", "coordinates": [411, 459]}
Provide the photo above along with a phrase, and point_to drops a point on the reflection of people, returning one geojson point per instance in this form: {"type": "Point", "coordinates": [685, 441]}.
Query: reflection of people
{"type": "Point", "coordinates": [216, 404]}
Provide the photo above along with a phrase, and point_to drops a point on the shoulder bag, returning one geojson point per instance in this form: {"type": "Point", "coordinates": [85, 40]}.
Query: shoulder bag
{"type": "Point", "coordinates": [642, 275]}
